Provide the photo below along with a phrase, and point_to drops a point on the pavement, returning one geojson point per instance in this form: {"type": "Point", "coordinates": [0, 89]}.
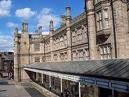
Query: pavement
{"type": "Point", "coordinates": [8, 88]}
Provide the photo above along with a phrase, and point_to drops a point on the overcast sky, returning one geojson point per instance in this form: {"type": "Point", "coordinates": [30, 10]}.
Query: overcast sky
{"type": "Point", "coordinates": [35, 12]}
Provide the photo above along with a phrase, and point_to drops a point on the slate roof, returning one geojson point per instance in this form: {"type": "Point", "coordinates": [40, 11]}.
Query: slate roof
{"type": "Point", "coordinates": [113, 68]}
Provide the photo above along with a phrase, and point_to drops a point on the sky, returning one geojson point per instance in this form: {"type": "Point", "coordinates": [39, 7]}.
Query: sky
{"type": "Point", "coordinates": [35, 12]}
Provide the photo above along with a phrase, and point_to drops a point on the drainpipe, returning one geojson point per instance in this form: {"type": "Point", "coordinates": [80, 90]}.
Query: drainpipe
{"type": "Point", "coordinates": [114, 29]}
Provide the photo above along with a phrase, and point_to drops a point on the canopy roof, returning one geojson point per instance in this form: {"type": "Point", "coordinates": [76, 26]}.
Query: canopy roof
{"type": "Point", "coordinates": [113, 68]}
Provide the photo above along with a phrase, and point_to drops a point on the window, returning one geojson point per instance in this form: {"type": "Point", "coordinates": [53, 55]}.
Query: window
{"type": "Point", "coordinates": [105, 13]}
{"type": "Point", "coordinates": [65, 56]}
{"type": "Point", "coordinates": [74, 38]}
{"type": "Point", "coordinates": [48, 58]}
{"type": "Point", "coordinates": [61, 56]}
{"type": "Point", "coordinates": [84, 31]}
{"type": "Point", "coordinates": [80, 37]}
{"type": "Point", "coordinates": [99, 20]}
{"type": "Point", "coordinates": [74, 55]}
{"type": "Point", "coordinates": [108, 49]}
{"type": "Point", "coordinates": [43, 59]}
{"type": "Point", "coordinates": [106, 18]}
{"type": "Point", "coordinates": [80, 52]}
{"type": "Point", "coordinates": [55, 57]}
{"type": "Point", "coordinates": [102, 19]}
{"type": "Point", "coordinates": [101, 50]}
{"type": "Point", "coordinates": [86, 54]}
{"type": "Point", "coordinates": [105, 52]}
{"type": "Point", "coordinates": [37, 59]}
{"type": "Point", "coordinates": [37, 47]}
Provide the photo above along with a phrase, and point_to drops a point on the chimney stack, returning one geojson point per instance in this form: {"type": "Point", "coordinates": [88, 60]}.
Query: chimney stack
{"type": "Point", "coordinates": [24, 27]}
{"type": "Point", "coordinates": [68, 12]}
{"type": "Point", "coordinates": [51, 27]}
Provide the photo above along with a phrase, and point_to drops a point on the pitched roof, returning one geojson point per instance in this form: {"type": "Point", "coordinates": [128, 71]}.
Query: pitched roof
{"type": "Point", "coordinates": [113, 68]}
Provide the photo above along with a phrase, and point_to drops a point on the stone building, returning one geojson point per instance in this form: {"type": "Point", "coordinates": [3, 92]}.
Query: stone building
{"type": "Point", "coordinates": [99, 33]}
{"type": "Point", "coordinates": [6, 62]}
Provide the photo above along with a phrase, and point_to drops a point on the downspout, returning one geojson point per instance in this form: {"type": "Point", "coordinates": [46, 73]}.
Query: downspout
{"type": "Point", "coordinates": [114, 30]}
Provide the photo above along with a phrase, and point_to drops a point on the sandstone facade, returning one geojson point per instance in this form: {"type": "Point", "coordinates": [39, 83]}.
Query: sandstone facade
{"type": "Point", "coordinates": [102, 32]}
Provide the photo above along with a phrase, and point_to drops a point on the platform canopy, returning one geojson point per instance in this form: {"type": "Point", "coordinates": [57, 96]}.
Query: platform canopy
{"type": "Point", "coordinates": [112, 74]}
{"type": "Point", "coordinates": [112, 69]}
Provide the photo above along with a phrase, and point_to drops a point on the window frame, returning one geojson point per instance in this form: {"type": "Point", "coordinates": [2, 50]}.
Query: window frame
{"type": "Point", "coordinates": [36, 46]}
{"type": "Point", "coordinates": [104, 53]}
{"type": "Point", "coordinates": [36, 58]}
{"type": "Point", "coordinates": [101, 19]}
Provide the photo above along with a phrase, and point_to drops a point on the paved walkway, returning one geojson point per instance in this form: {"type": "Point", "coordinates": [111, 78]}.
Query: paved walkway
{"type": "Point", "coordinates": [9, 89]}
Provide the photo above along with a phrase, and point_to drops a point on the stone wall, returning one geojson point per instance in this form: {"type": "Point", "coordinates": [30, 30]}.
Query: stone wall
{"type": "Point", "coordinates": [88, 36]}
